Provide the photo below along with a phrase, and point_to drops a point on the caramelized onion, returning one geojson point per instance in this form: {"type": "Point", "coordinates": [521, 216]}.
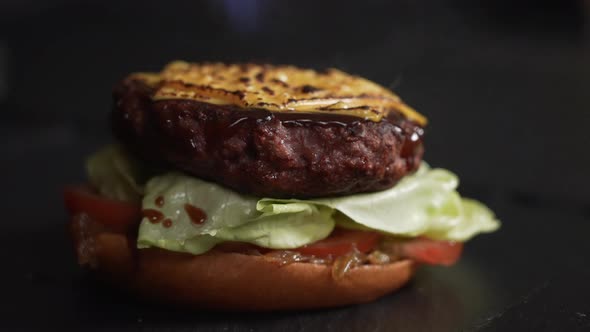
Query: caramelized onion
{"type": "Point", "coordinates": [392, 248]}
{"type": "Point", "coordinates": [387, 252]}
{"type": "Point", "coordinates": [286, 257]}
{"type": "Point", "coordinates": [320, 260]}
{"type": "Point", "coordinates": [347, 262]}
{"type": "Point", "coordinates": [378, 257]}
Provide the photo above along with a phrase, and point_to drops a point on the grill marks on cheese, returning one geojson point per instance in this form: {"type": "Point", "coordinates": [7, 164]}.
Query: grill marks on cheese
{"type": "Point", "coordinates": [277, 89]}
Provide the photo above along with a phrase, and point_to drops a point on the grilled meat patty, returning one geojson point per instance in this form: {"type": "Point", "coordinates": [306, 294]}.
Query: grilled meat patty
{"type": "Point", "coordinates": [265, 151]}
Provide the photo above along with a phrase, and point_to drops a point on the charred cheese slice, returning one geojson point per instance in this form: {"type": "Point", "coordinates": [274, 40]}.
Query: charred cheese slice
{"type": "Point", "coordinates": [277, 89]}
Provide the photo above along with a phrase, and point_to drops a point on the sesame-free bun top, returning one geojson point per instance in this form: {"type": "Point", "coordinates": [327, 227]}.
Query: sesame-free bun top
{"type": "Point", "coordinates": [277, 89]}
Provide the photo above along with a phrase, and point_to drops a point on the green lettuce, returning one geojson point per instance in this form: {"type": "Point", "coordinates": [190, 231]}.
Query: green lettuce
{"type": "Point", "coordinates": [230, 217]}
{"type": "Point", "coordinates": [424, 203]}
{"type": "Point", "coordinates": [115, 174]}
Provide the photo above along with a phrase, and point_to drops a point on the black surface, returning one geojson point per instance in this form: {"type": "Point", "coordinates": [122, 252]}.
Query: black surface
{"type": "Point", "coordinates": [505, 85]}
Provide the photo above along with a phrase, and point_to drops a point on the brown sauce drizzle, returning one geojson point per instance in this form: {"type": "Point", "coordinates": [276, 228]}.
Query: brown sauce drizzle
{"type": "Point", "coordinates": [295, 118]}
{"type": "Point", "coordinates": [154, 216]}
{"type": "Point", "coordinates": [413, 147]}
{"type": "Point", "coordinates": [159, 201]}
{"type": "Point", "coordinates": [196, 215]}
{"type": "Point", "coordinates": [238, 118]}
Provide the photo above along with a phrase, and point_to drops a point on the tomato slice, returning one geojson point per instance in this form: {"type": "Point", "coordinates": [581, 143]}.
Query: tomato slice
{"type": "Point", "coordinates": [341, 242]}
{"type": "Point", "coordinates": [118, 215]}
{"type": "Point", "coordinates": [427, 251]}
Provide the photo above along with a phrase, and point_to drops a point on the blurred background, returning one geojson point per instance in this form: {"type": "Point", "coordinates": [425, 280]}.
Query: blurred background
{"type": "Point", "coordinates": [505, 85]}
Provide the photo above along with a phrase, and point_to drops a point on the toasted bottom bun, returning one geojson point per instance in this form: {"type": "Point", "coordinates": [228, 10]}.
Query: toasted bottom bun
{"type": "Point", "coordinates": [232, 281]}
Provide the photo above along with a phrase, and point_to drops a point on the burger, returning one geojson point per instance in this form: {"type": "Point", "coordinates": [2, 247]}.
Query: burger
{"type": "Point", "coordinates": [263, 187]}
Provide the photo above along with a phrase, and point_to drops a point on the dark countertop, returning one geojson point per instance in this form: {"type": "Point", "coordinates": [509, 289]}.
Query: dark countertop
{"type": "Point", "coordinates": [505, 87]}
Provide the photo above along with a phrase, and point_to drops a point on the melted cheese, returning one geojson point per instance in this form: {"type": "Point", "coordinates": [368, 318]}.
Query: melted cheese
{"type": "Point", "coordinates": [277, 89]}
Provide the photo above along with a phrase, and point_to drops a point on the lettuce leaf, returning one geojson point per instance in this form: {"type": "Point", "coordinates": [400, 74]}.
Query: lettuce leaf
{"type": "Point", "coordinates": [424, 203]}
{"type": "Point", "coordinates": [230, 217]}
{"type": "Point", "coordinates": [115, 174]}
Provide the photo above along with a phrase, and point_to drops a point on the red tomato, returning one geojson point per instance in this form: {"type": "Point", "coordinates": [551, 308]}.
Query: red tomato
{"type": "Point", "coordinates": [112, 213]}
{"type": "Point", "coordinates": [434, 252]}
{"type": "Point", "coordinates": [341, 242]}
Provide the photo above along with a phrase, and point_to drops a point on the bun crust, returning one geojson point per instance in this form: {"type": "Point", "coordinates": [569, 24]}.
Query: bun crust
{"type": "Point", "coordinates": [232, 281]}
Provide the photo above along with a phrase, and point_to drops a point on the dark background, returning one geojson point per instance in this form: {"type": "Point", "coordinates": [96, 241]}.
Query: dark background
{"type": "Point", "coordinates": [505, 85]}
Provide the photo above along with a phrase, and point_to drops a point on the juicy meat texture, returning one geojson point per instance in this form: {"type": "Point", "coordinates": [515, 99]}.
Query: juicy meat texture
{"type": "Point", "coordinates": [263, 153]}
